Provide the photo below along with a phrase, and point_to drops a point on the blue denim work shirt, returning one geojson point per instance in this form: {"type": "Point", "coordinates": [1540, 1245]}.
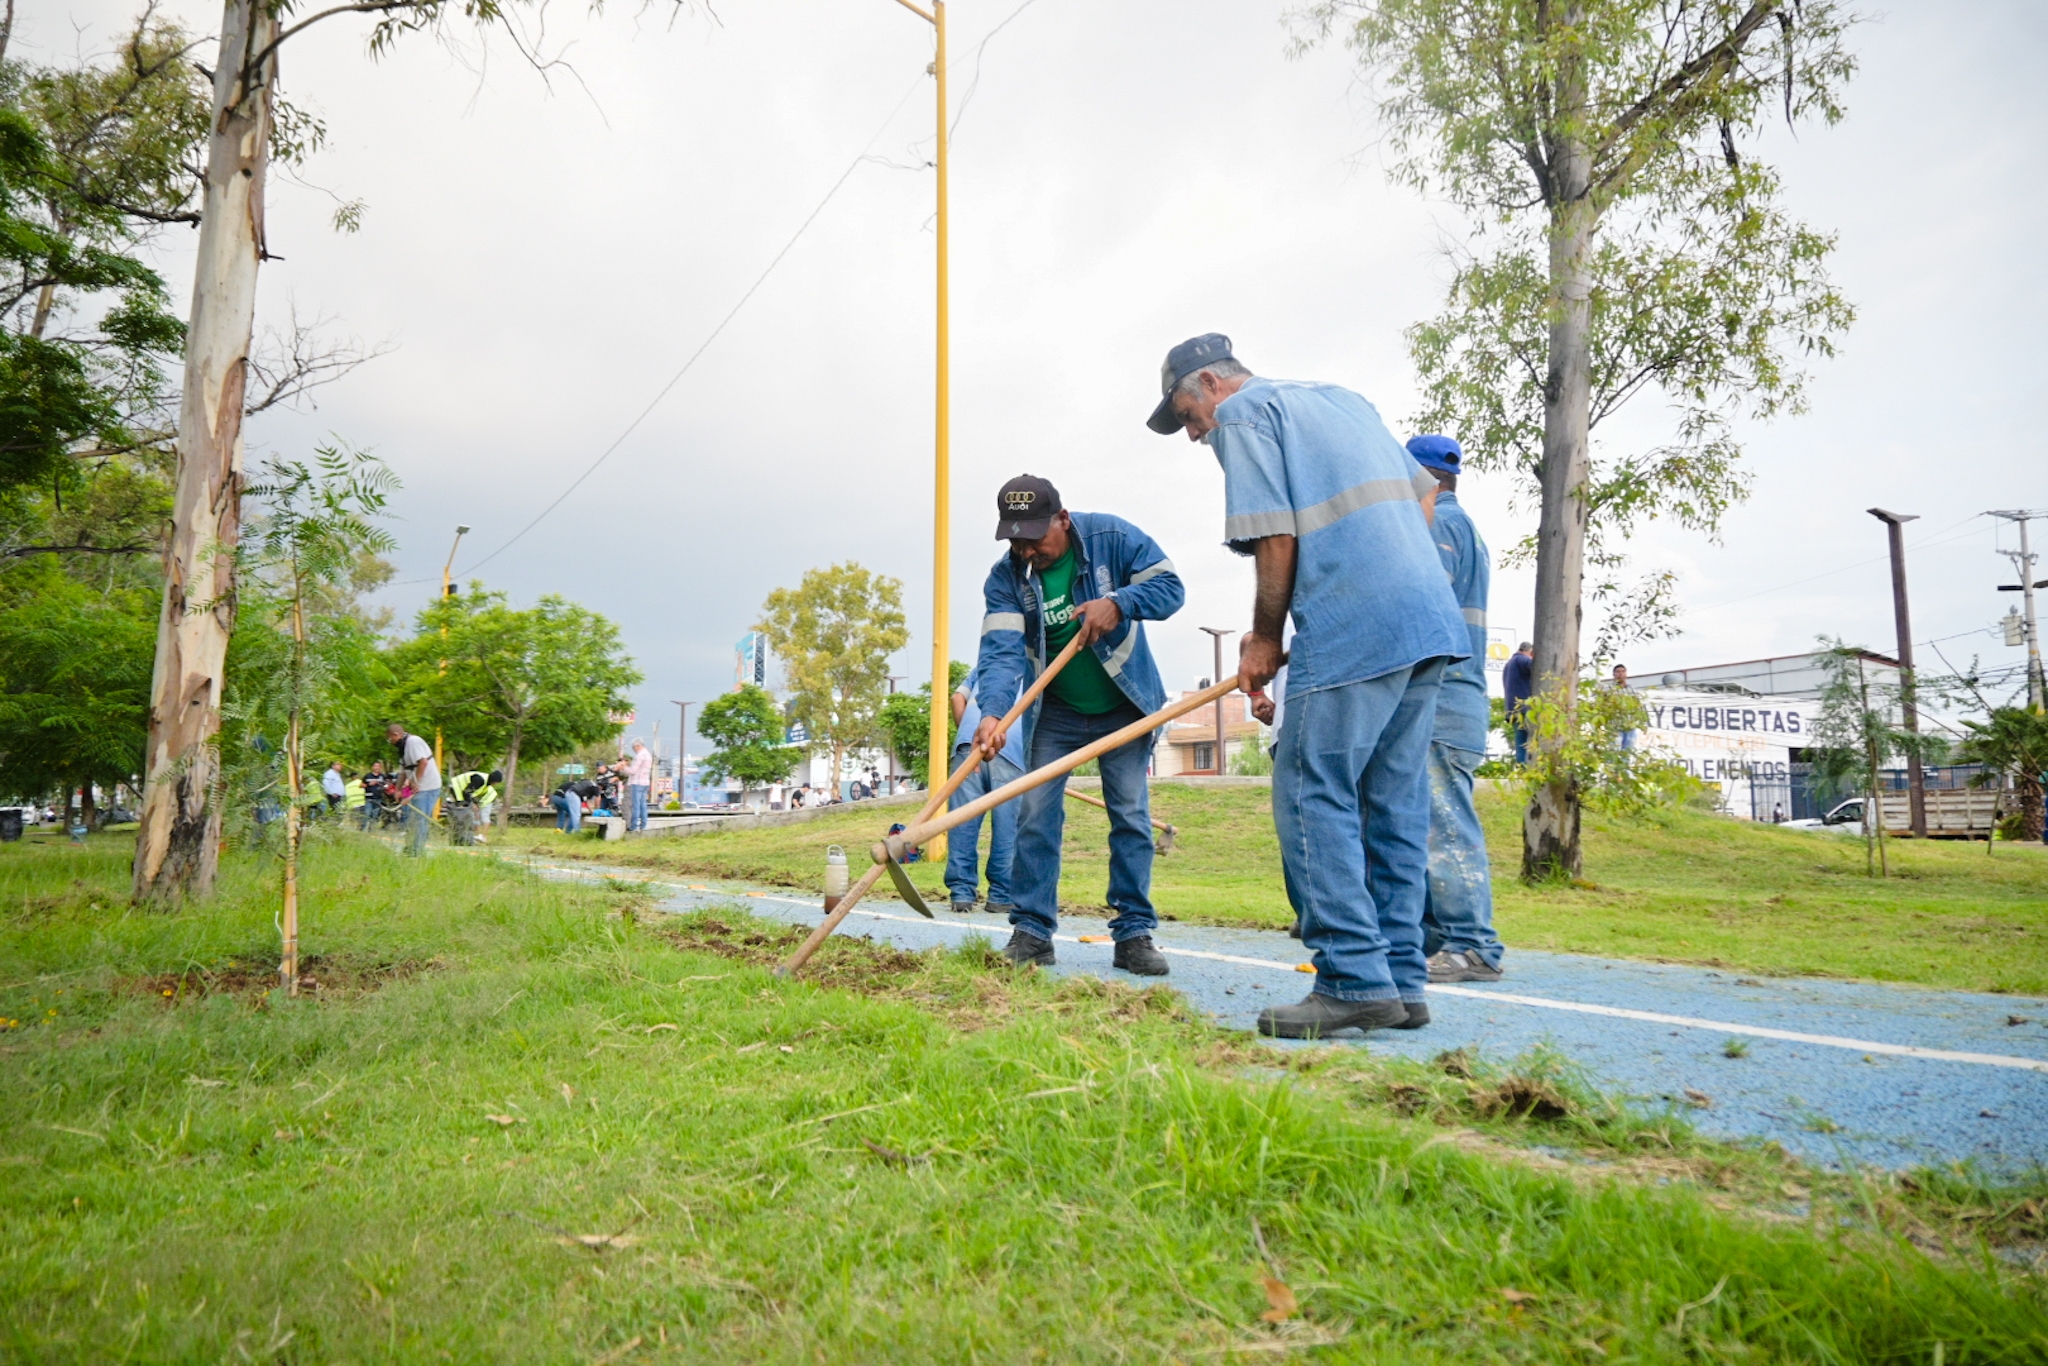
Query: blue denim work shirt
{"type": "Point", "coordinates": [1463, 711]}
{"type": "Point", "coordinates": [1112, 559]}
{"type": "Point", "coordinates": [1314, 461]}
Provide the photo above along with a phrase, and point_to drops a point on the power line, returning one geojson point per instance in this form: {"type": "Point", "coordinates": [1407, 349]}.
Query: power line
{"type": "Point", "coordinates": [1927, 544]}
{"type": "Point", "coordinates": [705, 345]}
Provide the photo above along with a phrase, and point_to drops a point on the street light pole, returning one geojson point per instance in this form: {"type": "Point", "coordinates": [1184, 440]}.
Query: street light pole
{"type": "Point", "coordinates": [1916, 781]}
{"type": "Point", "coordinates": [447, 591]}
{"type": "Point", "coordinates": [1217, 637]}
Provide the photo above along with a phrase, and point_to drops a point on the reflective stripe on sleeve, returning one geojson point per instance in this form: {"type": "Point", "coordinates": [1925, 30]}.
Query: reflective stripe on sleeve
{"type": "Point", "coordinates": [1003, 621]}
{"type": "Point", "coordinates": [1475, 616]}
{"type": "Point", "coordinates": [1121, 655]}
{"type": "Point", "coordinates": [1351, 500]}
{"type": "Point", "coordinates": [1256, 526]}
{"type": "Point", "coordinates": [1150, 572]}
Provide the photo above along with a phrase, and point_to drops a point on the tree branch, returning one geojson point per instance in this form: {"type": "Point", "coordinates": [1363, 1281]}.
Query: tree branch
{"type": "Point", "coordinates": [1689, 75]}
{"type": "Point", "coordinates": [20, 551]}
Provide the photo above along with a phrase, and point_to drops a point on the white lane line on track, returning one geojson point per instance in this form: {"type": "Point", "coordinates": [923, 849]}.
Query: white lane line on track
{"type": "Point", "coordinates": [1897, 1050]}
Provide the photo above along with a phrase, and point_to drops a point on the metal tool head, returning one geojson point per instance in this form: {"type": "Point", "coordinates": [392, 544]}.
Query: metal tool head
{"type": "Point", "coordinates": [1163, 841]}
{"type": "Point", "coordinates": [905, 890]}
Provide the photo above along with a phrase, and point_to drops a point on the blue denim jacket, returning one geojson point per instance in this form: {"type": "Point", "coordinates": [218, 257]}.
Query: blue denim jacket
{"type": "Point", "coordinates": [1315, 462]}
{"type": "Point", "coordinates": [1113, 559]}
{"type": "Point", "coordinates": [1462, 707]}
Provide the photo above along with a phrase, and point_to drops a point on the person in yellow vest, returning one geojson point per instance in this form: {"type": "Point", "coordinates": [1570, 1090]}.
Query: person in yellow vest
{"type": "Point", "coordinates": [353, 797]}
{"type": "Point", "coordinates": [476, 792]}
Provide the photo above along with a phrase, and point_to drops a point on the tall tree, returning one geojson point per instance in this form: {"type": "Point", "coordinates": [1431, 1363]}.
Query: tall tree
{"type": "Point", "coordinates": [178, 846]}
{"type": "Point", "coordinates": [2013, 743]}
{"type": "Point", "coordinates": [1624, 244]}
{"type": "Point", "coordinates": [834, 633]}
{"type": "Point", "coordinates": [1860, 729]}
{"type": "Point", "coordinates": [522, 682]}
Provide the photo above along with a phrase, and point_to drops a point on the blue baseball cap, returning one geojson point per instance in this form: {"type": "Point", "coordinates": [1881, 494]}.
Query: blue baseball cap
{"type": "Point", "coordinates": [1437, 453]}
{"type": "Point", "coordinates": [1190, 356]}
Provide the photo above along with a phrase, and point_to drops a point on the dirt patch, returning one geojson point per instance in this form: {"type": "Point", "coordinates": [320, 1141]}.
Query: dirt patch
{"type": "Point", "coordinates": [320, 976]}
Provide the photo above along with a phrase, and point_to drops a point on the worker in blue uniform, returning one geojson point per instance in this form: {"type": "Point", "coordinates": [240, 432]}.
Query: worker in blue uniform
{"type": "Point", "coordinates": [1457, 910]}
{"type": "Point", "coordinates": [1331, 508]}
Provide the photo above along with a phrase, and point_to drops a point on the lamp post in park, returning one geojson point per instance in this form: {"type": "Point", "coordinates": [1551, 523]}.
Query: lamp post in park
{"type": "Point", "coordinates": [942, 474]}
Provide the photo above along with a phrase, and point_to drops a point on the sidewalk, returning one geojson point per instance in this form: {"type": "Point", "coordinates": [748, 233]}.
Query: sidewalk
{"type": "Point", "coordinates": [1838, 1072]}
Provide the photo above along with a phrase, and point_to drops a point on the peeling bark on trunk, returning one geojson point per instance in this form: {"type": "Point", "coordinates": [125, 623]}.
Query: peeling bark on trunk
{"type": "Point", "coordinates": [177, 848]}
{"type": "Point", "coordinates": [1550, 826]}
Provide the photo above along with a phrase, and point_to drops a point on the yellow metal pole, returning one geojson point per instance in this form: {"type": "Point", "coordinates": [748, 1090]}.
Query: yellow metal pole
{"type": "Point", "coordinates": [942, 481]}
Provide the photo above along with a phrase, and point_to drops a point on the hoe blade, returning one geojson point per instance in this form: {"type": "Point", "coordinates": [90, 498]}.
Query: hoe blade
{"type": "Point", "coordinates": [908, 892]}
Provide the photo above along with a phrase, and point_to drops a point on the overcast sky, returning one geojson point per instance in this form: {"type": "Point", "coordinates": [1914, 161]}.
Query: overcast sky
{"type": "Point", "coordinates": [544, 255]}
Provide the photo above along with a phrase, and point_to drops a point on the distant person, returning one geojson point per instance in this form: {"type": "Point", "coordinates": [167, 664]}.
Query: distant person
{"type": "Point", "coordinates": [568, 806]}
{"type": "Point", "coordinates": [639, 778]}
{"type": "Point", "coordinates": [334, 786]}
{"type": "Point", "coordinates": [473, 793]}
{"type": "Point", "coordinates": [1620, 684]}
{"type": "Point", "coordinates": [1517, 685]}
{"type": "Point", "coordinates": [416, 758]}
{"type": "Point", "coordinates": [354, 797]}
{"type": "Point", "coordinates": [963, 876]}
{"type": "Point", "coordinates": [376, 793]}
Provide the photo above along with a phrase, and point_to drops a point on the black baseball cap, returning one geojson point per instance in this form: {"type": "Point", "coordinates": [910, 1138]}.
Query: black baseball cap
{"type": "Point", "coordinates": [1025, 508]}
{"type": "Point", "coordinates": [1190, 356]}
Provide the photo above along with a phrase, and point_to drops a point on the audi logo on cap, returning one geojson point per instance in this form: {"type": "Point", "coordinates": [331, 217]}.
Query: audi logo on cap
{"type": "Point", "coordinates": [1019, 500]}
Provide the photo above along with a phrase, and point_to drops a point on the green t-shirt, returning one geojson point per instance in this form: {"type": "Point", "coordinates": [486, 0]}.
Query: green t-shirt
{"type": "Point", "coordinates": [1083, 685]}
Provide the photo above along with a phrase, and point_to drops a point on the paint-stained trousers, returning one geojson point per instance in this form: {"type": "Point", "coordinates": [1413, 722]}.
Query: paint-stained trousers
{"type": "Point", "coordinates": [1351, 805]}
{"type": "Point", "coordinates": [1457, 913]}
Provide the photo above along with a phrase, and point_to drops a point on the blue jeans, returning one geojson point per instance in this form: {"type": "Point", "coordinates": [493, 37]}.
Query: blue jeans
{"type": "Point", "coordinates": [419, 812]}
{"type": "Point", "coordinates": [1041, 824]}
{"type": "Point", "coordinates": [568, 812]}
{"type": "Point", "coordinates": [636, 796]}
{"type": "Point", "coordinates": [1521, 745]}
{"type": "Point", "coordinates": [963, 878]}
{"type": "Point", "coordinates": [1457, 909]}
{"type": "Point", "coordinates": [1351, 806]}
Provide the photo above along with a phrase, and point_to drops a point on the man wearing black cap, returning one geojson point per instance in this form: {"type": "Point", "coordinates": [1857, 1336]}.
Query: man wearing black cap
{"type": "Point", "coordinates": [1098, 577]}
{"type": "Point", "coordinates": [1331, 508]}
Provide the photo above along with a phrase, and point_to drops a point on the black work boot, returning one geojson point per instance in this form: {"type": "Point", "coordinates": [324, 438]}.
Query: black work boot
{"type": "Point", "coordinates": [963, 907]}
{"type": "Point", "coordinates": [1137, 955]}
{"type": "Point", "coordinates": [1317, 1015]}
{"type": "Point", "coordinates": [1027, 950]}
{"type": "Point", "coordinates": [999, 908]}
{"type": "Point", "coordinates": [1418, 1015]}
{"type": "Point", "coordinates": [1295, 932]}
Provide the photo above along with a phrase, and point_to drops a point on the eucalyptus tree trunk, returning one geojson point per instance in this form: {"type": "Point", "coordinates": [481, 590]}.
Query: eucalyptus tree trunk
{"type": "Point", "coordinates": [178, 846]}
{"type": "Point", "coordinates": [1550, 826]}
{"type": "Point", "coordinates": [504, 821]}
{"type": "Point", "coordinates": [295, 787]}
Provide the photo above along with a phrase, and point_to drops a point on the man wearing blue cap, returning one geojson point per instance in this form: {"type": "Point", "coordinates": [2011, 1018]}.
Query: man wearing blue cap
{"type": "Point", "coordinates": [1330, 507]}
{"type": "Point", "coordinates": [1457, 910]}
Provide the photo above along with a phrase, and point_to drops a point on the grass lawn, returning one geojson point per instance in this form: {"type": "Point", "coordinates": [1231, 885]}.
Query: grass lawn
{"type": "Point", "coordinates": [1680, 886]}
{"type": "Point", "coordinates": [525, 1121]}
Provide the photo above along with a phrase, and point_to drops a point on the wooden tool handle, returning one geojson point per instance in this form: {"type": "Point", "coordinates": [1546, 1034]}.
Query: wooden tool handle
{"type": "Point", "coordinates": [941, 794]}
{"type": "Point", "coordinates": [1102, 805]}
{"type": "Point", "coordinates": [939, 824]}
{"type": "Point", "coordinates": [932, 804]}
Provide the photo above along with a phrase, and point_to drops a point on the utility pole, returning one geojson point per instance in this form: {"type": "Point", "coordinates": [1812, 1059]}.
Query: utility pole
{"type": "Point", "coordinates": [1916, 781]}
{"type": "Point", "coordinates": [682, 747]}
{"type": "Point", "coordinates": [2023, 560]}
{"type": "Point", "coordinates": [1216, 637]}
{"type": "Point", "coordinates": [891, 747]}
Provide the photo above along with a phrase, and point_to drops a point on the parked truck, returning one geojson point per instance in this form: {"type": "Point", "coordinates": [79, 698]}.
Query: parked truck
{"type": "Point", "coordinates": [1953, 813]}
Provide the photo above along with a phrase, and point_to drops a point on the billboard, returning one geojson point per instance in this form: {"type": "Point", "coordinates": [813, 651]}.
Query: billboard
{"type": "Point", "coordinates": [750, 661]}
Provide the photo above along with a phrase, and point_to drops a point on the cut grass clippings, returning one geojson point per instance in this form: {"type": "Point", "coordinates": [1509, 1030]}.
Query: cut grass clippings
{"type": "Point", "coordinates": [1677, 886]}
{"type": "Point", "coordinates": [590, 1133]}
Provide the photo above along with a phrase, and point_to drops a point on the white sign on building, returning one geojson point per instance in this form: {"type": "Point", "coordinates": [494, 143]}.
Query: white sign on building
{"type": "Point", "coordinates": [1728, 740]}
